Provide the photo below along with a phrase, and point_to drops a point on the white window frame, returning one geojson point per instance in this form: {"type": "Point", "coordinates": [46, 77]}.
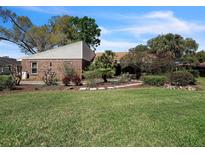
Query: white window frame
{"type": "Point", "coordinates": [36, 68]}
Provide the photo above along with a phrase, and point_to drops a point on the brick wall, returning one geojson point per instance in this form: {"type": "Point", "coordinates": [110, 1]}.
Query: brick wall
{"type": "Point", "coordinates": [57, 67]}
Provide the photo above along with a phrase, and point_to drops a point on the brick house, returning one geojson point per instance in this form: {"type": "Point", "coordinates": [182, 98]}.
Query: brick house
{"type": "Point", "coordinates": [76, 55]}
{"type": "Point", "coordinates": [8, 65]}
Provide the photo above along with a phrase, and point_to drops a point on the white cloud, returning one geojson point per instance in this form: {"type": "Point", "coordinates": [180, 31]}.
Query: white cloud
{"type": "Point", "coordinates": [10, 49]}
{"type": "Point", "coordinates": [159, 15]}
{"type": "Point", "coordinates": [159, 22]}
{"type": "Point", "coordinates": [115, 45]}
{"type": "Point", "coordinates": [105, 31]}
{"type": "Point", "coordinates": [48, 10]}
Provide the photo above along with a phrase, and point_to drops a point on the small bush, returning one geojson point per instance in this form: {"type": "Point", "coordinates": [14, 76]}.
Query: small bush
{"type": "Point", "coordinates": [50, 77]}
{"type": "Point", "coordinates": [91, 77]}
{"type": "Point", "coordinates": [154, 80]}
{"type": "Point", "coordinates": [66, 80]}
{"type": "Point", "coordinates": [92, 74]}
{"type": "Point", "coordinates": [69, 72]}
{"type": "Point", "coordinates": [77, 80]}
{"type": "Point", "coordinates": [6, 82]}
{"type": "Point", "coordinates": [182, 78]}
{"type": "Point", "coordinates": [195, 73]}
{"type": "Point", "coordinates": [124, 78]}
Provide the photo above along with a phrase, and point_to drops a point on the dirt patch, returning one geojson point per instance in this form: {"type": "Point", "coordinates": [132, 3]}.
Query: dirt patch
{"type": "Point", "coordinates": [34, 88]}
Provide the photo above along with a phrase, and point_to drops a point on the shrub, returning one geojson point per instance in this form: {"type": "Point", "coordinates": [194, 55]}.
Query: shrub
{"type": "Point", "coordinates": [69, 72]}
{"type": "Point", "coordinates": [105, 73]}
{"type": "Point", "coordinates": [91, 77]}
{"type": "Point", "coordinates": [77, 80]}
{"type": "Point", "coordinates": [182, 78]}
{"type": "Point", "coordinates": [50, 78]}
{"type": "Point", "coordinates": [6, 82]}
{"type": "Point", "coordinates": [66, 80]}
{"type": "Point", "coordinates": [94, 74]}
{"type": "Point", "coordinates": [124, 78]}
{"type": "Point", "coordinates": [195, 73]}
{"type": "Point", "coordinates": [154, 80]}
{"type": "Point", "coordinates": [18, 79]}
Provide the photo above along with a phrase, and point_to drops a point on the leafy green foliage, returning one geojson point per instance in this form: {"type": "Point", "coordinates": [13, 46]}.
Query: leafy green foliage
{"type": "Point", "coordinates": [69, 72]}
{"type": "Point", "coordinates": [190, 59]}
{"type": "Point", "coordinates": [105, 61]}
{"type": "Point", "coordinates": [135, 56]}
{"type": "Point", "coordinates": [92, 75]}
{"type": "Point", "coordinates": [194, 72]}
{"type": "Point", "coordinates": [173, 45]}
{"type": "Point", "coordinates": [182, 78]}
{"type": "Point", "coordinates": [124, 78]}
{"type": "Point", "coordinates": [6, 82]}
{"type": "Point", "coordinates": [160, 54]}
{"type": "Point", "coordinates": [201, 56]}
{"type": "Point", "coordinates": [87, 30]}
{"type": "Point", "coordinates": [70, 75]}
{"type": "Point", "coordinates": [102, 67]}
{"type": "Point", "coordinates": [59, 31]}
{"type": "Point", "coordinates": [50, 77]}
{"type": "Point", "coordinates": [154, 80]}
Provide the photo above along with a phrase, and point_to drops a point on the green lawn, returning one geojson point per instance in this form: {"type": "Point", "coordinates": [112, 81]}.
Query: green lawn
{"type": "Point", "coordinates": [131, 117]}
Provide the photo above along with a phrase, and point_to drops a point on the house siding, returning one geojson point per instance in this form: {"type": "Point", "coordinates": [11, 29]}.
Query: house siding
{"type": "Point", "coordinates": [57, 66]}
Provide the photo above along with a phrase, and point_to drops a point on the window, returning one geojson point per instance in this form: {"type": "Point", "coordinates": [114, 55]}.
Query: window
{"type": "Point", "coordinates": [34, 68]}
{"type": "Point", "coordinates": [1, 69]}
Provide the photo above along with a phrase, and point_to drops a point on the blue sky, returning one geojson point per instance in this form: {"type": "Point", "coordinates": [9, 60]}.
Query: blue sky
{"type": "Point", "coordinates": [123, 27]}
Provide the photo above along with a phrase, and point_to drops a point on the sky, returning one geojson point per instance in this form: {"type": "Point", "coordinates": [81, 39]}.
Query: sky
{"type": "Point", "coordinates": [122, 27]}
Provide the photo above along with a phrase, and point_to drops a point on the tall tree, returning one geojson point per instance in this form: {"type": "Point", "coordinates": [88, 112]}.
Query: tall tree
{"type": "Point", "coordinates": [75, 28]}
{"type": "Point", "coordinates": [173, 45]}
{"type": "Point", "coordinates": [16, 30]}
{"type": "Point", "coordinates": [190, 46]}
{"type": "Point", "coordinates": [88, 31]}
{"type": "Point", "coordinates": [103, 66]}
{"type": "Point", "coordinates": [201, 56]}
{"type": "Point", "coordinates": [59, 31]}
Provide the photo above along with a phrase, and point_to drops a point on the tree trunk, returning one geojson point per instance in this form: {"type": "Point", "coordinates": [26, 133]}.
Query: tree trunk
{"type": "Point", "coordinates": [104, 78]}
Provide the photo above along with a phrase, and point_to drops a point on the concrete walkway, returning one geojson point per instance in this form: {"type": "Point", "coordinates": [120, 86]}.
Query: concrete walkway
{"type": "Point", "coordinates": [112, 87]}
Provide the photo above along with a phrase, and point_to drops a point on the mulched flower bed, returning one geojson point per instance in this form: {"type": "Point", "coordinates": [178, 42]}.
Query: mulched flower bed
{"type": "Point", "coordinates": [34, 88]}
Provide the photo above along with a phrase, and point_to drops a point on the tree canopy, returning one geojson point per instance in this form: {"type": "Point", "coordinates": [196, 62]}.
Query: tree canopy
{"type": "Point", "coordinates": [60, 30]}
{"type": "Point", "coordinates": [160, 53]}
{"type": "Point", "coordinates": [103, 66]}
{"type": "Point", "coordinates": [172, 44]}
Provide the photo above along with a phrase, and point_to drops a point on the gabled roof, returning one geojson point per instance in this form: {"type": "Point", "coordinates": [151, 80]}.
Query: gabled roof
{"type": "Point", "coordinates": [4, 61]}
{"type": "Point", "coordinates": [77, 50]}
{"type": "Point", "coordinates": [118, 55]}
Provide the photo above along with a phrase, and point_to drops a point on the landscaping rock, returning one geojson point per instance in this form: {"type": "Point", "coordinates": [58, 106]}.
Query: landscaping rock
{"type": "Point", "coordinates": [101, 88]}
{"type": "Point", "coordinates": [83, 88]}
{"type": "Point", "coordinates": [92, 89]}
{"type": "Point", "coordinates": [190, 88]}
{"type": "Point", "coordinates": [110, 87]}
{"type": "Point", "coordinates": [69, 88]}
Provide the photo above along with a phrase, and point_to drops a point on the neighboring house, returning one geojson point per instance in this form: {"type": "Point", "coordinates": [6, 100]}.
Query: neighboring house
{"type": "Point", "coordinates": [9, 65]}
{"type": "Point", "coordinates": [201, 69]}
{"type": "Point", "coordinates": [118, 55]}
{"type": "Point", "coordinates": [76, 55]}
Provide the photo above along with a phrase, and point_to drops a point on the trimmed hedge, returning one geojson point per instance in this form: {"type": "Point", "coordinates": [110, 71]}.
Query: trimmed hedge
{"type": "Point", "coordinates": [195, 73]}
{"type": "Point", "coordinates": [6, 82]}
{"type": "Point", "coordinates": [154, 80]}
{"type": "Point", "coordinates": [182, 78]}
{"type": "Point", "coordinates": [66, 80]}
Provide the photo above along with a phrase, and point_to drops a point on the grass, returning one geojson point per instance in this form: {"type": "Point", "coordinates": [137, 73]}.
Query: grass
{"type": "Point", "coordinates": [128, 117]}
{"type": "Point", "coordinates": [201, 83]}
